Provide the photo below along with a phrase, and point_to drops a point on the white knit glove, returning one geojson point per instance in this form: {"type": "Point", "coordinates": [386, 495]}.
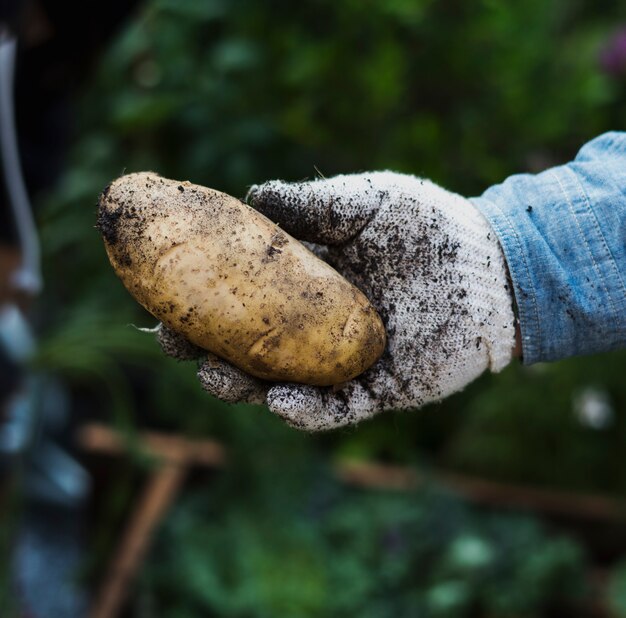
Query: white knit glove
{"type": "Point", "coordinates": [428, 261]}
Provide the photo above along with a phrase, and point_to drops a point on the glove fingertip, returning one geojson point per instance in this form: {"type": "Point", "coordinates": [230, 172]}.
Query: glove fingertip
{"type": "Point", "coordinates": [277, 200]}
{"type": "Point", "coordinates": [266, 194]}
{"type": "Point", "coordinates": [314, 409]}
{"type": "Point", "coordinates": [228, 383]}
{"type": "Point", "coordinates": [175, 345]}
{"type": "Point", "coordinates": [299, 406]}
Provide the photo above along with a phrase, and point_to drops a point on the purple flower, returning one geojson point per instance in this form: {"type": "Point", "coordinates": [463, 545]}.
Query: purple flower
{"type": "Point", "coordinates": [612, 57]}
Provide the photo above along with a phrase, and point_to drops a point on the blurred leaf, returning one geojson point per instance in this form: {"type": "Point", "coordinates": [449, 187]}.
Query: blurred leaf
{"type": "Point", "coordinates": [617, 591]}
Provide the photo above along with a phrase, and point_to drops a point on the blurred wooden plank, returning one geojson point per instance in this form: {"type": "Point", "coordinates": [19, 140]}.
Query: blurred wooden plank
{"type": "Point", "coordinates": [150, 508]}
{"type": "Point", "coordinates": [594, 507]}
{"type": "Point", "coordinates": [378, 476]}
{"type": "Point", "coordinates": [492, 493]}
{"type": "Point", "coordinates": [98, 438]}
{"type": "Point", "coordinates": [175, 455]}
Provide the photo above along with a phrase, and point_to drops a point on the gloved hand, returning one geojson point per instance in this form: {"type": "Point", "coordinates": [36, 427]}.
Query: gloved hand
{"type": "Point", "coordinates": [428, 261]}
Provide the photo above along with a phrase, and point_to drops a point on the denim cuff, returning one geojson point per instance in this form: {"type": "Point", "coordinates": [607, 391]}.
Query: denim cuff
{"type": "Point", "coordinates": [563, 234]}
{"type": "Point", "coordinates": [519, 270]}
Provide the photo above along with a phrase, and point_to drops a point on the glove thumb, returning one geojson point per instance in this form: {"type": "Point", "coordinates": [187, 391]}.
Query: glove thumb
{"type": "Point", "coordinates": [327, 211]}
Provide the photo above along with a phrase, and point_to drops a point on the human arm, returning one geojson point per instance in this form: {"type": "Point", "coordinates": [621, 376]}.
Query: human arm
{"type": "Point", "coordinates": [562, 232]}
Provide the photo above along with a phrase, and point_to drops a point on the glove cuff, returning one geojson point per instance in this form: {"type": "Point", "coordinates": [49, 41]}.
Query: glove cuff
{"type": "Point", "coordinates": [490, 298]}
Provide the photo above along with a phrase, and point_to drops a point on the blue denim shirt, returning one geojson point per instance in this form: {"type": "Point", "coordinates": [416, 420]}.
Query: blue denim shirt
{"type": "Point", "coordinates": [563, 233]}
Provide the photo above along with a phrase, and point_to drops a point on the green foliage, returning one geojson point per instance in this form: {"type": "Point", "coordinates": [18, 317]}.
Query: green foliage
{"type": "Point", "coordinates": [617, 591]}
{"type": "Point", "coordinates": [334, 552]}
{"type": "Point", "coordinates": [231, 92]}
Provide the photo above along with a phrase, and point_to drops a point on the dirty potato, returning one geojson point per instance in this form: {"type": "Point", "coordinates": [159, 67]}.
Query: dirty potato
{"type": "Point", "coordinates": [232, 282]}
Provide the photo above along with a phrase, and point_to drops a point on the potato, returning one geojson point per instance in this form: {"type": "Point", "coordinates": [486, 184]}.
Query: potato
{"type": "Point", "coordinates": [232, 282]}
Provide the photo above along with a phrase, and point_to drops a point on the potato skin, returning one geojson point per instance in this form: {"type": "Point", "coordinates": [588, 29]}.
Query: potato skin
{"type": "Point", "coordinates": [231, 281]}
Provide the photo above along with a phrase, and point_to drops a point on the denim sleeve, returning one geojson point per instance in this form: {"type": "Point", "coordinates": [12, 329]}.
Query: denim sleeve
{"type": "Point", "coordinates": [563, 233]}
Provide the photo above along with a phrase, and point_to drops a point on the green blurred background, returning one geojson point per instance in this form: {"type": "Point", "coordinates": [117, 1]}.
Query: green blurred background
{"type": "Point", "coordinates": [227, 93]}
